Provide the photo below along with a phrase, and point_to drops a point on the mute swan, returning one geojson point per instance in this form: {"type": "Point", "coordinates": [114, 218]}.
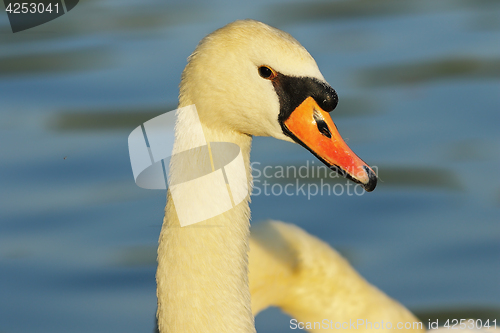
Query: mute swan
{"type": "Point", "coordinates": [251, 79]}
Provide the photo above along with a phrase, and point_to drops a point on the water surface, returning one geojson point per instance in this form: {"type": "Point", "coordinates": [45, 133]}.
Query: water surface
{"type": "Point", "coordinates": [419, 87]}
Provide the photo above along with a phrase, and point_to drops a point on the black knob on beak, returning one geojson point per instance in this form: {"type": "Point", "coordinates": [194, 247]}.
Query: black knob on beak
{"type": "Point", "coordinates": [326, 98]}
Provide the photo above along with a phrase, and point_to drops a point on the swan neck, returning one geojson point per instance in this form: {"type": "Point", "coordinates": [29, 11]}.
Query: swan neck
{"type": "Point", "coordinates": [202, 276]}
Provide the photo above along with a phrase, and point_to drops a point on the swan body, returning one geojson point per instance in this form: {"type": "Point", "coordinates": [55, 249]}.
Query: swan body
{"type": "Point", "coordinates": [251, 79]}
{"type": "Point", "coordinates": [317, 287]}
{"type": "Point", "coordinates": [311, 282]}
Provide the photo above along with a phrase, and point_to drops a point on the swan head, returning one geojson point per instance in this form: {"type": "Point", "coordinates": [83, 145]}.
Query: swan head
{"type": "Point", "coordinates": [254, 79]}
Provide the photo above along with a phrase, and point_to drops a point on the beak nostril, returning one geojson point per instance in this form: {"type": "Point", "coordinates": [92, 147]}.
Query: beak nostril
{"type": "Point", "coordinates": [322, 126]}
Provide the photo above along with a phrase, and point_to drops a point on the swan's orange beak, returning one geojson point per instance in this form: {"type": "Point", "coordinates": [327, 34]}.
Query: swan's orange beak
{"type": "Point", "coordinates": [313, 128]}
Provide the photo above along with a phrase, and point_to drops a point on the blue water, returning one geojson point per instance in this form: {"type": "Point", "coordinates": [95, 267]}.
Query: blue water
{"type": "Point", "coordinates": [419, 87]}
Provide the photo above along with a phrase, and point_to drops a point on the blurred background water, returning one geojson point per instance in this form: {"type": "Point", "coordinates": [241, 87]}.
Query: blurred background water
{"type": "Point", "coordinates": [419, 87]}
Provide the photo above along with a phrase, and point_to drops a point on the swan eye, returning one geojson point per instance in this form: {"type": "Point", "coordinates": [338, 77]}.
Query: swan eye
{"type": "Point", "coordinates": [267, 73]}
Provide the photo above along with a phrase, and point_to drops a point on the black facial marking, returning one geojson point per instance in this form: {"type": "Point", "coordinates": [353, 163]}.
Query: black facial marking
{"type": "Point", "coordinates": [292, 91]}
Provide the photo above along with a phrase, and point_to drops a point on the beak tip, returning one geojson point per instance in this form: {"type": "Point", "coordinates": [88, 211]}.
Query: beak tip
{"type": "Point", "coordinates": [372, 180]}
